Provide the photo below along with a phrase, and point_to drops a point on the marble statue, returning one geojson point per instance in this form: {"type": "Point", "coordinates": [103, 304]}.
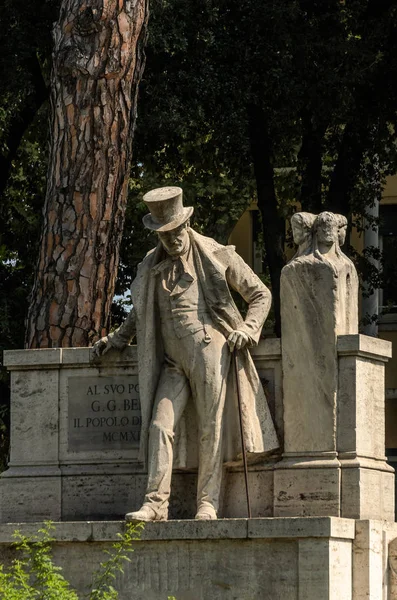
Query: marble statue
{"type": "Point", "coordinates": [319, 302]}
{"type": "Point", "coordinates": [187, 326]}
{"type": "Point", "coordinates": [302, 232]}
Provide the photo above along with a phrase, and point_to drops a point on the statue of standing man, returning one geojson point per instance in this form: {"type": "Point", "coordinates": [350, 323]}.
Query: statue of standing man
{"type": "Point", "coordinates": [187, 326]}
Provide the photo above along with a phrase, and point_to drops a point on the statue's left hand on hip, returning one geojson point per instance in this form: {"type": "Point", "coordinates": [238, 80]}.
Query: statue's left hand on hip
{"type": "Point", "coordinates": [237, 339]}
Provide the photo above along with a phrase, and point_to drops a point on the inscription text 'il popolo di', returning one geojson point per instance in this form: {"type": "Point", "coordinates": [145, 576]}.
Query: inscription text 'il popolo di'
{"type": "Point", "coordinates": [104, 413]}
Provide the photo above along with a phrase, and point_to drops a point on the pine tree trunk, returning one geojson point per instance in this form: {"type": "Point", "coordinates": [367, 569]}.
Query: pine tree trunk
{"type": "Point", "coordinates": [97, 65]}
{"type": "Point", "coordinates": [273, 223]}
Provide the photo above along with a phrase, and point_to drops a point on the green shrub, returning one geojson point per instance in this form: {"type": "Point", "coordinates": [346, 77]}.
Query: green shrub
{"type": "Point", "coordinates": [33, 575]}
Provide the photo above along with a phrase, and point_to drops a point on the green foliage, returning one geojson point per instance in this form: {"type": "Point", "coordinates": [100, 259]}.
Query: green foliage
{"type": "Point", "coordinates": [322, 74]}
{"type": "Point", "coordinates": [102, 588]}
{"type": "Point", "coordinates": [301, 62]}
{"type": "Point", "coordinates": [33, 575]}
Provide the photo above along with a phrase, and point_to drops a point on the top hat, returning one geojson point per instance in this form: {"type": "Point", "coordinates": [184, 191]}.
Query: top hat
{"type": "Point", "coordinates": [166, 209]}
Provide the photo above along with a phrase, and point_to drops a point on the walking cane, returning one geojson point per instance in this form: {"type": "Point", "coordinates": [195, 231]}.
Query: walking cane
{"type": "Point", "coordinates": [240, 412]}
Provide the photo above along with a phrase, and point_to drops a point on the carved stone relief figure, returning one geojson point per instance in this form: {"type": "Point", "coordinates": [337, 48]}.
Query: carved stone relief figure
{"type": "Point", "coordinates": [319, 301]}
{"type": "Point", "coordinates": [342, 229]}
{"type": "Point", "coordinates": [302, 232]}
{"type": "Point", "coordinates": [326, 240]}
{"type": "Point", "coordinates": [393, 570]}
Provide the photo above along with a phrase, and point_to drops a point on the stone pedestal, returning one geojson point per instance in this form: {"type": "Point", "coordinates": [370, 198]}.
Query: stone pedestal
{"type": "Point", "coordinates": [367, 481]}
{"type": "Point", "coordinates": [307, 485]}
{"type": "Point", "coordinates": [353, 481]}
{"type": "Point", "coordinates": [318, 303]}
{"type": "Point", "coordinates": [75, 437]}
{"type": "Point", "coordinates": [258, 559]}
{"type": "Point", "coordinates": [324, 558]}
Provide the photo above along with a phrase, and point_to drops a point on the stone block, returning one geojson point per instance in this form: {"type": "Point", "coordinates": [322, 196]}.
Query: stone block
{"type": "Point", "coordinates": [260, 485]}
{"type": "Point", "coordinates": [325, 569]}
{"type": "Point", "coordinates": [110, 495]}
{"type": "Point", "coordinates": [222, 529]}
{"type": "Point", "coordinates": [367, 490]}
{"type": "Point", "coordinates": [368, 561]}
{"type": "Point", "coordinates": [30, 499]}
{"type": "Point", "coordinates": [97, 497]}
{"type": "Point", "coordinates": [301, 527]}
{"type": "Point", "coordinates": [76, 356]}
{"type": "Point", "coordinates": [361, 407]}
{"type": "Point", "coordinates": [30, 359]}
{"type": "Point", "coordinates": [34, 417]}
{"type": "Point", "coordinates": [365, 346]}
{"type": "Point", "coordinates": [367, 480]}
{"type": "Point", "coordinates": [307, 487]}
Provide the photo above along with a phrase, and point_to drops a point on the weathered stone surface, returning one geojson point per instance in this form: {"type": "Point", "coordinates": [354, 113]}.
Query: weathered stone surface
{"type": "Point", "coordinates": [368, 561]}
{"type": "Point", "coordinates": [28, 499]}
{"type": "Point", "coordinates": [271, 559]}
{"type": "Point", "coordinates": [302, 527]}
{"type": "Point", "coordinates": [103, 413]}
{"type": "Point", "coordinates": [361, 407]}
{"type": "Point", "coordinates": [364, 346]}
{"type": "Point", "coordinates": [105, 482]}
{"type": "Point", "coordinates": [325, 570]}
{"type": "Point", "coordinates": [319, 301]}
{"type": "Point", "coordinates": [42, 357]}
{"type": "Point", "coordinates": [34, 416]}
{"type": "Point", "coordinates": [367, 490]}
{"type": "Point", "coordinates": [367, 481]}
{"type": "Point", "coordinates": [306, 486]}
{"type": "Point", "coordinates": [260, 483]}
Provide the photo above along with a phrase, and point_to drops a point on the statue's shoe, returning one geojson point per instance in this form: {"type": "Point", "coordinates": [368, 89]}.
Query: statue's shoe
{"type": "Point", "coordinates": [146, 513]}
{"type": "Point", "coordinates": [206, 513]}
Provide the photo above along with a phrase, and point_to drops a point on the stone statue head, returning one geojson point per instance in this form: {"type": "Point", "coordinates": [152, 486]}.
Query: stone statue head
{"type": "Point", "coordinates": [302, 227]}
{"type": "Point", "coordinates": [326, 228]}
{"type": "Point", "coordinates": [342, 228]}
{"type": "Point", "coordinates": [166, 209]}
{"type": "Point", "coordinates": [169, 218]}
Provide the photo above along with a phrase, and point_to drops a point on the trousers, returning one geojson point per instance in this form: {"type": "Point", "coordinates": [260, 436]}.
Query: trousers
{"type": "Point", "coordinates": [196, 369]}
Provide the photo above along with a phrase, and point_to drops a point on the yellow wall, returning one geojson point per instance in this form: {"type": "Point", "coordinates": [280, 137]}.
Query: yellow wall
{"type": "Point", "coordinates": [389, 195]}
{"type": "Point", "coordinates": [241, 237]}
{"type": "Point", "coordinates": [391, 367]}
{"type": "Point", "coordinates": [391, 422]}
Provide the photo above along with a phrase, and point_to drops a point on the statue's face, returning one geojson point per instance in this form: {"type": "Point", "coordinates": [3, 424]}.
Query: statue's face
{"type": "Point", "coordinates": [175, 241]}
{"type": "Point", "coordinates": [327, 229]}
{"type": "Point", "coordinates": [342, 234]}
{"type": "Point", "coordinates": [299, 232]}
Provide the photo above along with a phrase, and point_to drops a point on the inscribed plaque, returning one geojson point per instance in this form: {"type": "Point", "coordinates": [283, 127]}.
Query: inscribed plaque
{"type": "Point", "coordinates": [104, 413]}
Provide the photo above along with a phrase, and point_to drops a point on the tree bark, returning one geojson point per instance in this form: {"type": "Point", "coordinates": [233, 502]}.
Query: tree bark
{"type": "Point", "coordinates": [98, 61]}
{"type": "Point", "coordinates": [273, 224]}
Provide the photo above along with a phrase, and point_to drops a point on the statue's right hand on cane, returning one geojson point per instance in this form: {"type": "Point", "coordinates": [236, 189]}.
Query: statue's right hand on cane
{"type": "Point", "coordinates": [237, 339]}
